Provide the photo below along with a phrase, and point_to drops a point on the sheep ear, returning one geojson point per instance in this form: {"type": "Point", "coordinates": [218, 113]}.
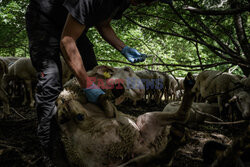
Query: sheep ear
{"type": "Point", "coordinates": [233, 99]}
{"type": "Point", "coordinates": [119, 100]}
{"type": "Point", "coordinates": [62, 115]}
{"type": "Point", "coordinates": [104, 70]}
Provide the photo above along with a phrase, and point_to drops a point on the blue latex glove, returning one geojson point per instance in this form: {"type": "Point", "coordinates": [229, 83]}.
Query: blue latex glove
{"type": "Point", "coordinates": [93, 92]}
{"type": "Point", "coordinates": [133, 55]}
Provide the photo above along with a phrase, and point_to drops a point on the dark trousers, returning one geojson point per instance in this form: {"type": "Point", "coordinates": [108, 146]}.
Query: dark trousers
{"type": "Point", "coordinates": [44, 52]}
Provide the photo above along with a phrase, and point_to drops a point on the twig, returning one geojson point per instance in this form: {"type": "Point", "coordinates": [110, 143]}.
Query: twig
{"type": "Point", "coordinates": [198, 54]}
{"type": "Point", "coordinates": [209, 115]}
{"type": "Point", "coordinates": [18, 113]}
{"type": "Point", "coordinates": [164, 64]}
{"type": "Point", "coordinates": [35, 161]}
{"type": "Point", "coordinates": [217, 12]}
{"type": "Point", "coordinates": [226, 123]}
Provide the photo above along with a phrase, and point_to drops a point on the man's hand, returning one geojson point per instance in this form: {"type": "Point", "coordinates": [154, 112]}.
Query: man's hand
{"type": "Point", "coordinates": [93, 92]}
{"type": "Point", "coordinates": [133, 55]}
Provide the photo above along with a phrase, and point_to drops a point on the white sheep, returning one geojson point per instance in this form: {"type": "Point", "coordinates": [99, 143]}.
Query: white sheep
{"type": "Point", "coordinates": [216, 86]}
{"type": "Point", "coordinates": [10, 60]}
{"type": "Point", "coordinates": [92, 139]}
{"type": "Point", "coordinates": [170, 87]}
{"type": "Point", "coordinates": [154, 85]}
{"type": "Point", "coordinates": [198, 111]}
{"type": "Point", "coordinates": [23, 69]}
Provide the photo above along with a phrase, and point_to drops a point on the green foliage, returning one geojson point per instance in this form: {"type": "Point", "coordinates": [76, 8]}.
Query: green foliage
{"type": "Point", "coordinates": [13, 38]}
{"type": "Point", "coordinates": [166, 37]}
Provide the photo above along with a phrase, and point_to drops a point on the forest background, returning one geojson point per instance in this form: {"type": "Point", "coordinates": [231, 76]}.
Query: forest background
{"type": "Point", "coordinates": [185, 35]}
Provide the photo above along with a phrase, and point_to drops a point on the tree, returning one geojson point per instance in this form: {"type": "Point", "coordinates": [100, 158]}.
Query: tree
{"type": "Point", "coordinates": [189, 35]}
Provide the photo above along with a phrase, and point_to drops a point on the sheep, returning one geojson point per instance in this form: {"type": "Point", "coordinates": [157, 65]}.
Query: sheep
{"type": "Point", "coordinates": [170, 87]}
{"type": "Point", "coordinates": [3, 94]}
{"type": "Point", "coordinates": [216, 86]}
{"type": "Point", "coordinates": [10, 60]}
{"type": "Point", "coordinates": [179, 88]}
{"type": "Point", "coordinates": [198, 111]}
{"type": "Point", "coordinates": [90, 138]}
{"type": "Point", "coordinates": [13, 87]}
{"type": "Point", "coordinates": [23, 69]}
{"type": "Point", "coordinates": [246, 81]}
{"type": "Point", "coordinates": [154, 85]}
{"type": "Point", "coordinates": [123, 79]}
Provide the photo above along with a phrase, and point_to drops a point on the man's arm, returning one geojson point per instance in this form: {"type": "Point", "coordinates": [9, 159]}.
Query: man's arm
{"type": "Point", "coordinates": [108, 34]}
{"type": "Point", "coordinates": [71, 32]}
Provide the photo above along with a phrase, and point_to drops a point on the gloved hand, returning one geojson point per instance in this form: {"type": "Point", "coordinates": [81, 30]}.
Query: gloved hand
{"type": "Point", "coordinates": [133, 55]}
{"type": "Point", "coordinates": [93, 92]}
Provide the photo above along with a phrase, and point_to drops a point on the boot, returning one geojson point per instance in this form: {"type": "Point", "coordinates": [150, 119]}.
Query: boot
{"type": "Point", "coordinates": [47, 162]}
{"type": "Point", "coordinates": [47, 157]}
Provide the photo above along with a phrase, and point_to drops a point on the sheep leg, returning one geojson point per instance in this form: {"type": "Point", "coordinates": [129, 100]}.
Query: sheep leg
{"type": "Point", "coordinates": [28, 84]}
{"type": "Point", "coordinates": [165, 96]}
{"type": "Point", "coordinates": [110, 110]}
{"type": "Point", "coordinates": [220, 103]}
{"type": "Point", "coordinates": [24, 95]}
{"type": "Point", "coordinates": [149, 97]}
{"type": "Point", "coordinates": [159, 96]}
{"type": "Point", "coordinates": [5, 100]}
{"type": "Point", "coordinates": [134, 102]}
{"type": "Point", "coordinates": [176, 139]}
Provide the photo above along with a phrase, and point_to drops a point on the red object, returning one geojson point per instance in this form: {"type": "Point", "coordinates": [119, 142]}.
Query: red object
{"type": "Point", "coordinates": [42, 74]}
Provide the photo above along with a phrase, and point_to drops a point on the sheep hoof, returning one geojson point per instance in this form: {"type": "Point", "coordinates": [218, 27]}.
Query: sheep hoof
{"type": "Point", "coordinates": [1, 115]}
{"type": "Point", "coordinates": [32, 105]}
{"type": "Point", "coordinates": [109, 109]}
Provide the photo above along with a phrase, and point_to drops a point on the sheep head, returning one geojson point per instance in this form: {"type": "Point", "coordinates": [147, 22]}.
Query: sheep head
{"type": "Point", "coordinates": [119, 82]}
{"type": "Point", "coordinates": [242, 100]}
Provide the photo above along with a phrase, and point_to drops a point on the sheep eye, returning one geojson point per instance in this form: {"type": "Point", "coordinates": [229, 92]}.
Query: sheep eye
{"type": "Point", "coordinates": [127, 69]}
{"type": "Point", "coordinates": [80, 117]}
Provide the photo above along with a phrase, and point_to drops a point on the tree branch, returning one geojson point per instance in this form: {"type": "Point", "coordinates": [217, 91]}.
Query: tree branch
{"type": "Point", "coordinates": [241, 34]}
{"type": "Point", "coordinates": [217, 12]}
{"type": "Point", "coordinates": [164, 64]}
{"type": "Point", "coordinates": [213, 48]}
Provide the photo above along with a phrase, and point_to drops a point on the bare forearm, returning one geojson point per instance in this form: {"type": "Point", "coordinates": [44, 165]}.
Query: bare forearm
{"type": "Point", "coordinates": [109, 35]}
{"type": "Point", "coordinates": [73, 59]}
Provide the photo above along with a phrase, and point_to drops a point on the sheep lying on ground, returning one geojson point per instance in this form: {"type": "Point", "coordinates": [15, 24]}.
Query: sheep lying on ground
{"type": "Point", "coordinates": [216, 86]}
{"type": "Point", "coordinates": [198, 111]}
{"type": "Point", "coordinates": [3, 94]}
{"type": "Point", "coordinates": [23, 69]}
{"type": "Point", "coordinates": [92, 139]}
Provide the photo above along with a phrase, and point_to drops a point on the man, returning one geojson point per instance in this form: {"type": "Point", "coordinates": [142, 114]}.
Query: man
{"type": "Point", "coordinates": [61, 25]}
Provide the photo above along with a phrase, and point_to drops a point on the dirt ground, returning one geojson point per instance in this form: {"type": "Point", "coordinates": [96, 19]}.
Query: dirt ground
{"type": "Point", "coordinates": [19, 145]}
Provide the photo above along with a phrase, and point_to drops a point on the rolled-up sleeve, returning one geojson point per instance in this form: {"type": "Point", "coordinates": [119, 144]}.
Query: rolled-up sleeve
{"type": "Point", "coordinates": [79, 9]}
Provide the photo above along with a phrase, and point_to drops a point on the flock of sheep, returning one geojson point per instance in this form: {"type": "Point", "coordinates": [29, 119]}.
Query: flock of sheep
{"type": "Point", "coordinates": [222, 91]}
{"type": "Point", "coordinates": [18, 78]}
{"type": "Point", "coordinates": [216, 95]}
